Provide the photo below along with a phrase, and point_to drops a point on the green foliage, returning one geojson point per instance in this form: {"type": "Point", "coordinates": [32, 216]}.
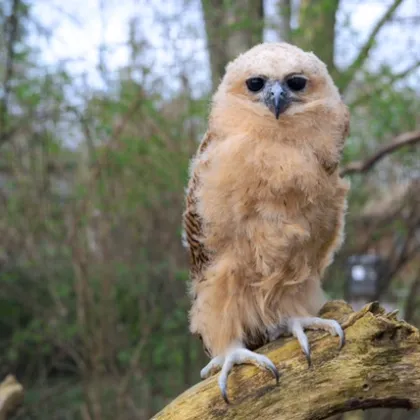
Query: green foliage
{"type": "Point", "coordinates": [93, 296]}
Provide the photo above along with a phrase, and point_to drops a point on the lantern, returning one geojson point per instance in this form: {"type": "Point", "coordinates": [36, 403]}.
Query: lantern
{"type": "Point", "coordinates": [363, 276]}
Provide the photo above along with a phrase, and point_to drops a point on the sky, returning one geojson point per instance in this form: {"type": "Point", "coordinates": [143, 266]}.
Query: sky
{"type": "Point", "coordinates": [80, 27]}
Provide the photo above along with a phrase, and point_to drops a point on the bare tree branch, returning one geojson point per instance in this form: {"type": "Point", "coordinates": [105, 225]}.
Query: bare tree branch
{"type": "Point", "coordinates": [409, 20]}
{"type": "Point", "coordinates": [11, 35]}
{"type": "Point", "coordinates": [362, 166]}
{"type": "Point", "coordinates": [357, 64]}
{"type": "Point", "coordinates": [403, 244]}
{"type": "Point", "coordinates": [398, 259]}
{"type": "Point", "coordinates": [378, 367]}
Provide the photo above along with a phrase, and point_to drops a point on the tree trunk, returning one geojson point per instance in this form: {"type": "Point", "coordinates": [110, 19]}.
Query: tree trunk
{"type": "Point", "coordinates": [232, 27]}
{"type": "Point", "coordinates": [316, 31]}
{"type": "Point", "coordinates": [379, 366]}
{"type": "Point", "coordinates": [285, 13]}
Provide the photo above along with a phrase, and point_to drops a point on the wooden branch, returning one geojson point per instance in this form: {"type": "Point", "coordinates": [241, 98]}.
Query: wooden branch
{"type": "Point", "coordinates": [12, 37]}
{"type": "Point", "coordinates": [357, 64]}
{"type": "Point", "coordinates": [379, 366]}
{"type": "Point", "coordinates": [284, 8]}
{"type": "Point", "coordinates": [11, 397]}
{"type": "Point", "coordinates": [361, 166]}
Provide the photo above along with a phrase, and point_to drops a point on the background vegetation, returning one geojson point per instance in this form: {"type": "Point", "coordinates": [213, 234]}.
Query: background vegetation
{"type": "Point", "coordinates": [93, 305]}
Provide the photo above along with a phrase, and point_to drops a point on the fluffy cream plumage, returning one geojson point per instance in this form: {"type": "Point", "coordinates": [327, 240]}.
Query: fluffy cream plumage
{"type": "Point", "coordinates": [265, 203]}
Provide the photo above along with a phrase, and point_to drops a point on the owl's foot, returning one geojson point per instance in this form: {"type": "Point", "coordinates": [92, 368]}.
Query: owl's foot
{"type": "Point", "coordinates": [297, 325]}
{"type": "Point", "coordinates": [236, 356]}
{"type": "Point", "coordinates": [212, 367]}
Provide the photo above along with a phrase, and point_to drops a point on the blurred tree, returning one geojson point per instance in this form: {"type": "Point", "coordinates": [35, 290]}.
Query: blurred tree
{"type": "Point", "coordinates": [317, 30]}
{"type": "Point", "coordinates": [232, 27]}
{"type": "Point", "coordinates": [93, 299]}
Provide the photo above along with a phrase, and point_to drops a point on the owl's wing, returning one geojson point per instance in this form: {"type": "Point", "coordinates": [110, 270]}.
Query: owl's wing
{"type": "Point", "coordinates": [193, 223]}
{"type": "Point", "coordinates": [331, 167]}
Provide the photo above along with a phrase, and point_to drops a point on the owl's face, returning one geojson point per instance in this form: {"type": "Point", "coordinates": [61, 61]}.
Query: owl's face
{"type": "Point", "coordinates": [276, 80]}
{"type": "Point", "coordinates": [277, 94]}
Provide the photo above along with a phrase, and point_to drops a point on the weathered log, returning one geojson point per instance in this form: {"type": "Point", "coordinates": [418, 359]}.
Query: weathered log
{"type": "Point", "coordinates": [379, 366]}
{"type": "Point", "coordinates": [11, 396]}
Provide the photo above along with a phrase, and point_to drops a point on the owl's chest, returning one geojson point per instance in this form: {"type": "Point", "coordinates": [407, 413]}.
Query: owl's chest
{"type": "Point", "coordinates": [277, 184]}
{"type": "Point", "coordinates": [242, 182]}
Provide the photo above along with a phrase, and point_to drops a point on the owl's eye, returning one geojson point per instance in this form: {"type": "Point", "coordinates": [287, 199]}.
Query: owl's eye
{"type": "Point", "coordinates": [255, 84]}
{"type": "Point", "coordinates": [296, 83]}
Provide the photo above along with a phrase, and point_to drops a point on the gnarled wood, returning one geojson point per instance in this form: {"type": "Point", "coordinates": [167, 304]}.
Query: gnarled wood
{"type": "Point", "coordinates": [378, 367]}
{"type": "Point", "coordinates": [11, 396]}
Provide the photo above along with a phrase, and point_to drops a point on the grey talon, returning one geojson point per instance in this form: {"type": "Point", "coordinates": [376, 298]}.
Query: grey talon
{"type": "Point", "coordinates": [224, 394]}
{"type": "Point", "coordinates": [342, 341]}
{"type": "Point", "coordinates": [308, 359]}
{"type": "Point", "coordinates": [276, 375]}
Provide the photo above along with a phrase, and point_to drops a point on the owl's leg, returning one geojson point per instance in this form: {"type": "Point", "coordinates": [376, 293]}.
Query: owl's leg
{"type": "Point", "coordinates": [296, 326]}
{"type": "Point", "coordinates": [219, 317]}
{"type": "Point", "coordinates": [237, 355]}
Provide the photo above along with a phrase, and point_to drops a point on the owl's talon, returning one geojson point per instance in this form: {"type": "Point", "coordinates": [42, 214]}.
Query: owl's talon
{"type": "Point", "coordinates": [212, 367]}
{"type": "Point", "coordinates": [296, 326]}
{"type": "Point", "coordinates": [239, 356]}
{"type": "Point", "coordinates": [275, 373]}
{"type": "Point", "coordinates": [339, 331]}
{"type": "Point", "coordinates": [308, 359]}
{"type": "Point", "coordinates": [224, 394]}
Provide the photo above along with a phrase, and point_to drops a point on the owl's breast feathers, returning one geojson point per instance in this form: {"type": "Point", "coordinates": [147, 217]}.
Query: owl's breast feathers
{"type": "Point", "coordinates": [268, 185]}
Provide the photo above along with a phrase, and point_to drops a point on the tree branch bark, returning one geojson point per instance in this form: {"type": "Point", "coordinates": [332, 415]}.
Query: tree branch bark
{"type": "Point", "coordinates": [232, 27]}
{"type": "Point", "coordinates": [285, 13]}
{"type": "Point", "coordinates": [12, 36]}
{"type": "Point", "coordinates": [317, 22]}
{"type": "Point", "coordinates": [361, 166]}
{"type": "Point", "coordinates": [378, 367]}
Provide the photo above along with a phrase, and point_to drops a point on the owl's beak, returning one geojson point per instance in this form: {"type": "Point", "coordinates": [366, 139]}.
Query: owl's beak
{"type": "Point", "coordinates": [279, 99]}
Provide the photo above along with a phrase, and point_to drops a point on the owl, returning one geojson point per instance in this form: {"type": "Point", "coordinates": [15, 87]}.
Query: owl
{"type": "Point", "coordinates": [265, 206]}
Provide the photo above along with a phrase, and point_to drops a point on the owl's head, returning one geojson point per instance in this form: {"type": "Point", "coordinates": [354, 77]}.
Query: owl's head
{"type": "Point", "coordinates": [274, 83]}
